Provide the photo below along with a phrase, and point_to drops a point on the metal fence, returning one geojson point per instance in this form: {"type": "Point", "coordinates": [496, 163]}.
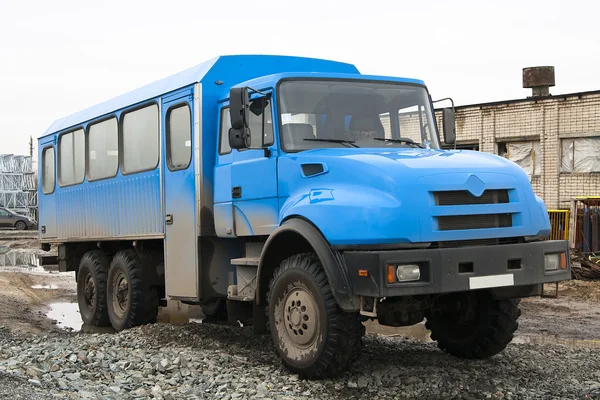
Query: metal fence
{"type": "Point", "coordinates": [18, 184]}
{"type": "Point", "coordinates": [587, 224]}
{"type": "Point", "coordinates": [559, 224]}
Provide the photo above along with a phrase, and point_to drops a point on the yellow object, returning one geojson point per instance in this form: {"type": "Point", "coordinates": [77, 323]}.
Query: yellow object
{"type": "Point", "coordinates": [559, 224]}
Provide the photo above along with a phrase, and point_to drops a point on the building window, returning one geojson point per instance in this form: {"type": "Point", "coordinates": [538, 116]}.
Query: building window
{"type": "Point", "coordinates": [48, 170]}
{"type": "Point", "coordinates": [140, 140]}
{"type": "Point", "coordinates": [526, 155]}
{"type": "Point", "coordinates": [224, 147]}
{"type": "Point", "coordinates": [387, 126]}
{"type": "Point", "coordinates": [103, 151]}
{"type": "Point", "coordinates": [71, 158]}
{"type": "Point", "coordinates": [580, 155]}
{"type": "Point", "coordinates": [179, 137]}
{"type": "Point", "coordinates": [461, 146]}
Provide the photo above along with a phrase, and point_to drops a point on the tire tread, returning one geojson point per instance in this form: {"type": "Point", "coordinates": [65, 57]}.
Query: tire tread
{"type": "Point", "coordinates": [343, 344]}
{"type": "Point", "coordinates": [494, 337]}
{"type": "Point", "coordinates": [144, 298]}
{"type": "Point", "coordinates": [97, 261]}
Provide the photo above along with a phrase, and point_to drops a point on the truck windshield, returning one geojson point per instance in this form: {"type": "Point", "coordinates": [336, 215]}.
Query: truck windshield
{"type": "Point", "coordinates": [336, 113]}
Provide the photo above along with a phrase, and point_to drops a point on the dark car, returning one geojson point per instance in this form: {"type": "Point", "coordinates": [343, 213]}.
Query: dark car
{"type": "Point", "coordinates": [10, 219]}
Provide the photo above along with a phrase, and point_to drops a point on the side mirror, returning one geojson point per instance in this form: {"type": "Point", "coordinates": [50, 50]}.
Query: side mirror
{"type": "Point", "coordinates": [449, 125]}
{"type": "Point", "coordinates": [239, 134]}
{"type": "Point", "coordinates": [238, 104]}
{"type": "Point", "coordinates": [236, 139]}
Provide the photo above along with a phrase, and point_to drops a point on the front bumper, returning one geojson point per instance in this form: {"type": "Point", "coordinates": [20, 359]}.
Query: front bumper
{"type": "Point", "coordinates": [485, 266]}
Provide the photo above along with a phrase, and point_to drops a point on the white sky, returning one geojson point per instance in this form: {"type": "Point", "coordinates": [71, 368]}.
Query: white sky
{"type": "Point", "coordinates": [60, 56]}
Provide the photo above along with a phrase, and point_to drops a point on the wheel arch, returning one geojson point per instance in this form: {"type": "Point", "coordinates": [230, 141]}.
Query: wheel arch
{"type": "Point", "coordinates": [296, 235]}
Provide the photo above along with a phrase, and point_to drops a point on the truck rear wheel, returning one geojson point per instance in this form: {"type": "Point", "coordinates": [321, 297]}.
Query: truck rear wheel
{"type": "Point", "coordinates": [91, 288]}
{"type": "Point", "coordinates": [131, 301]}
{"type": "Point", "coordinates": [474, 324]}
{"type": "Point", "coordinates": [313, 337]}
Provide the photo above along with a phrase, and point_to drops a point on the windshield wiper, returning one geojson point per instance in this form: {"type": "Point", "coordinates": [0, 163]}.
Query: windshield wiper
{"type": "Point", "coordinates": [333, 141]}
{"type": "Point", "coordinates": [402, 140]}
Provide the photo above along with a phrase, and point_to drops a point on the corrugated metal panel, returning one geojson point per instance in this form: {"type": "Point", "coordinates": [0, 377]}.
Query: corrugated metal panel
{"type": "Point", "coordinates": [128, 206]}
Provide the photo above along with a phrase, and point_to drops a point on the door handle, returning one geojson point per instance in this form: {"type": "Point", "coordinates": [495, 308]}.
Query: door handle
{"type": "Point", "coordinates": [169, 219]}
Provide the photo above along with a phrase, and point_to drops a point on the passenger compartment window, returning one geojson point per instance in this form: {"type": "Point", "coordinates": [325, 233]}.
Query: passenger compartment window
{"type": "Point", "coordinates": [179, 137]}
{"type": "Point", "coordinates": [71, 158]}
{"type": "Point", "coordinates": [48, 170]}
{"type": "Point", "coordinates": [140, 140]}
{"type": "Point", "coordinates": [103, 152]}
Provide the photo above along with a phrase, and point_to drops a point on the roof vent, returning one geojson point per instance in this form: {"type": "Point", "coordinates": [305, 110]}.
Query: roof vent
{"type": "Point", "coordinates": [539, 79]}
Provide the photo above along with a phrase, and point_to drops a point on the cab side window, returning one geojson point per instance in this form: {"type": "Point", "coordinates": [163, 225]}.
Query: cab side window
{"type": "Point", "coordinates": [224, 147]}
{"type": "Point", "coordinates": [255, 123]}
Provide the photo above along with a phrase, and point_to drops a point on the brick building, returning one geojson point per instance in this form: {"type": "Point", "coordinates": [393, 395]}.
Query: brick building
{"type": "Point", "coordinates": [554, 138]}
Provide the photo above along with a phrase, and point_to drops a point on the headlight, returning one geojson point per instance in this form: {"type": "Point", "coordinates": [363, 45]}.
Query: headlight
{"type": "Point", "coordinates": [555, 261]}
{"type": "Point", "coordinates": [403, 273]}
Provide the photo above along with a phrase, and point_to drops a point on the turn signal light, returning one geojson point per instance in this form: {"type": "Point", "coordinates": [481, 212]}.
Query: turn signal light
{"type": "Point", "coordinates": [391, 274]}
{"type": "Point", "coordinates": [563, 261]}
{"type": "Point", "coordinates": [363, 272]}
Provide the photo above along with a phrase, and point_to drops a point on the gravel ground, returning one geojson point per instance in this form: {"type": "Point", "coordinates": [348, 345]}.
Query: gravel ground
{"type": "Point", "coordinates": [201, 361]}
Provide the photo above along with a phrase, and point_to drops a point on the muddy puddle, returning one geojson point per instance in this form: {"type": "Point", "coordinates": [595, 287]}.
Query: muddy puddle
{"type": "Point", "coordinates": [45, 287]}
{"type": "Point", "coordinates": [418, 331]}
{"type": "Point", "coordinates": [66, 315]}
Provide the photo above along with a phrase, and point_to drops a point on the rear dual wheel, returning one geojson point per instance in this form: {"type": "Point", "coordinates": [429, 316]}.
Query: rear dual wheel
{"type": "Point", "coordinates": [115, 294]}
{"type": "Point", "coordinates": [91, 288]}
{"type": "Point", "coordinates": [130, 300]}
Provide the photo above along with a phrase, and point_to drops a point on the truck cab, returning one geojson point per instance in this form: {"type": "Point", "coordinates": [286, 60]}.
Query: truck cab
{"type": "Point", "coordinates": [366, 217]}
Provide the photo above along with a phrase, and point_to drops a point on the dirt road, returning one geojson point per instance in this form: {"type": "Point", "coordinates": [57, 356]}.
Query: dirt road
{"type": "Point", "coordinates": [39, 359]}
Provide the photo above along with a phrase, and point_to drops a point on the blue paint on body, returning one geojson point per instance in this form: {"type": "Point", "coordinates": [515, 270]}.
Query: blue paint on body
{"type": "Point", "coordinates": [364, 196]}
{"type": "Point", "coordinates": [378, 196]}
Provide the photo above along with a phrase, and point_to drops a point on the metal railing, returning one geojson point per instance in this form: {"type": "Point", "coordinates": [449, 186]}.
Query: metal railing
{"type": "Point", "coordinates": [559, 224]}
{"type": "Point", "coordinates": [587, 225]}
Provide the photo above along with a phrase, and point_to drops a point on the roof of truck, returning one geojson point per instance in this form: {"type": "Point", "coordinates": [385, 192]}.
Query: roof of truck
{"type": "Point", "coordinates": [221, 67]}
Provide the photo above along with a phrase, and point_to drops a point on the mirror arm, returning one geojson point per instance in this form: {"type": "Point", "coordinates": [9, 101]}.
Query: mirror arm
{"type": "Point", "coordinates": [445, 98]}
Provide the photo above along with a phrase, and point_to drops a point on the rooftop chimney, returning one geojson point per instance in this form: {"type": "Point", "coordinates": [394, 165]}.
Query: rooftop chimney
{"type": "Point", "coordinates": [539, 79]}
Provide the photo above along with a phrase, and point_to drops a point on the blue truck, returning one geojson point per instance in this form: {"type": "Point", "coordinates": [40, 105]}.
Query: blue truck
{"type": "Point", "coordinates": [299, 196]}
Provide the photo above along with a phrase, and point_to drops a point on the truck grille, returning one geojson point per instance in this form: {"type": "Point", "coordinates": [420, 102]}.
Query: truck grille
{"type": "Point", "coordinates": [477, 221]}
{"type": "Point", "coordinates": [462, 197]}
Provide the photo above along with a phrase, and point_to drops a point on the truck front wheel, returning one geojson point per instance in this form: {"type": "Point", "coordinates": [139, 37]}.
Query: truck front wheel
{"type": "Point", "coordinates": [313, 337]}
{"type": "Point", "coordinates": [473, 324]}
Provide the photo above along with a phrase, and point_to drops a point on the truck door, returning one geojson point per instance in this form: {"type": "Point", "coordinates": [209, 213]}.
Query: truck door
{"type": "Point", "coordinates": [254, 180]}
{"type": "Point", "coordinates": [179, 137]}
